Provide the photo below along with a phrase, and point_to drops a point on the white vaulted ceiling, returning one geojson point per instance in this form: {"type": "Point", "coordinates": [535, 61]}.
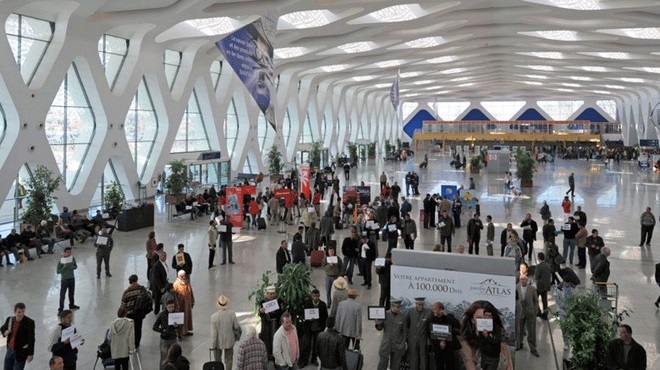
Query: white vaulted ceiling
{"type": "Point", "coordinates": [470, 48]}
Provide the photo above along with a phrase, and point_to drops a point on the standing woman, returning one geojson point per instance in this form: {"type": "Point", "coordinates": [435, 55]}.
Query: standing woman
{"type": "Point", "coordinates": [175, 360]}
{"type": "Point", "coordinates": [151, 252]}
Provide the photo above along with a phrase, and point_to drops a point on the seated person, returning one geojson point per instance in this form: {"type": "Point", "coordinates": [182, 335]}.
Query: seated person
{"type": "Point", "coordinates": [14, 242]}
{"type": "Point", "coordinates": [30, 240]}
{"type": "Point", "coordinates": [202, 204]}
{"type": "Point", "coordinates": [195, 211]}
{"type": "Point", "coordinates": [5, 251]}
{"type": "Point", "coordinates": [66, 216]}
{"type": "Point", "coordinates": [43, 233]}
{"type": "Point", "coordinates": [76, 221]}
{"type": "Point", "coordinates": [100, 222]}
{"type": "Point", "coordinates": [63, 232]}
{"type": "Point", "coordinates": [181, 209]}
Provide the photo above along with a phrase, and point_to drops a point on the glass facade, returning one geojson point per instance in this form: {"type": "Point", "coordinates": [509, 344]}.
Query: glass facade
{"type": "Point", "coordinates": [140, 127]}
{"type": "Point", "coordinates": [28, 38]}
{"type": "Point", "coordinates": [112, 51]}
{"type": "Point", "coordinates": [191, 136]}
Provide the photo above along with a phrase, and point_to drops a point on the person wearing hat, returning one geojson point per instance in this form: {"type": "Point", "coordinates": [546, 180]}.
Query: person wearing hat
{"type": "Point", "coordinates": [417, 322]}
{"type": "Point", "coordinates": [270, 321]}
{"type": "Point", "coordinates": [349, 320]}
{"type": "Point", "coordinates": [444, 349]}
{"type": "Point", "coordinates": [225, 331]}
{"type": "Point", "coordinates": [43, 233]}
{"type": "Point", "coordinates": [393, 344]}
{"type": "Point", "coordinates": [339, 295]}
{"type": "Point", "coordinates": [332, 271]}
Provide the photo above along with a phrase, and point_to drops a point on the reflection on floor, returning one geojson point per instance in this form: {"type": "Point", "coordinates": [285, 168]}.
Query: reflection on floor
{"type": "Point", "coordinates": [612, 196]}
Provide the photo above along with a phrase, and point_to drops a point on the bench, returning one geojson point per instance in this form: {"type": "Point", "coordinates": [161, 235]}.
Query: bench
{"type": "Point", "coordinates": [245, 176]}
{"type": "Point", "coordinates": [180, 211]}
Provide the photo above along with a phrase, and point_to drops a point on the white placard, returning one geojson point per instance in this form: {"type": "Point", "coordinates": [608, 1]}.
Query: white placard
{"type": "Point", "coordinates": [101, 240]}
{"type": "Point", "coordinates": [175, 318]}
{"type": "Point", "coordinates": [310, 209]}
{"type": "Point", "coordinates": [375, 313]}
{"type": "Point", "coordinates": [365, 248]}
{"type": "Point", "coordinates": [369, 224]}
{"type": "Point", "coordinates": [440, 329]}
{"type": "Point", "coordinates": [236, 230]}
{"type": "Point", "coordinates": [566, 227]}
{"type": "Point", "coordinates": [66, 260]}
{"type": "Point", "coordinates": [271, 306]}
{"type": "Point", "coordinates": [105, 215]}
{"type": "Point", "coordinates": [333, 259]}
{"type": "Point", "coordinates": [188, 208]}
{"type": "Point", "coordinates": [380, 261]}
{"type": "Point", "coordinates": [311, 313]}
{"type": "Point", "coordinates": [441, 224]}
{"type": "Point", "coordinates": [195, 204]}
{"type": "Point", "coordinates": [576, 217]}
{"type": "Point", "coordinates": [364, 233]}
{"type": "Point", "coordinates": [391, 227]}
{"type": "Point", "coordinates": [484, 324]}
{"type": "Point", "coordinates": [77, 340]}
{"type": "Point", "coordinates": [527, 227]}
{"type": "Point", "coordinates": [222, 228]}
{"type": "Point", "coordinates": [67, 333]}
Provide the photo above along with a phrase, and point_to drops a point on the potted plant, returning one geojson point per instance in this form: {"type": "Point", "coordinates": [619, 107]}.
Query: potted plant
{"type": "Point", "coordinates": [524, 168]}
{"type": "Point", "coordinates": [353, 151]}
{"type": "Point", "coordinates": [294, 286]}
{"type": "Point", "coordinates": [114, 197]}
{"type": "Point", "coordinates": [42, 184]}
{"type": "Point", "coordinates": [275, 165]}
{"type": "Point", "coordinates": [475, 164]}
{"type": "Point", "coordinates": [315, 155]}
{"type": "Point", "coordinates": [177, 182]}
{"type": "Point", "coordinates": [388, 147]}
{"type": "Point", "coordinates": [371, 150]}
{"type": "Point", "coordinates": [257, 294]}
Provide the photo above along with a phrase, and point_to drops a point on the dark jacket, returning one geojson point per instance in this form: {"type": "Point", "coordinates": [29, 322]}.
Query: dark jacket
{"type": "Point", "coordinates": [166, 331]}
{"type": "Point", "coordinates": [543, 276]}
{"type": "Point", "coordinates": [181, 363]}
{"type": "Point", "coordinates": [24, 342]}
{"type": "Point", "coordinates": [349, 248]}
{"type": "Point", "coordinates": [226, 236]}
{"type": "Point", "coordinates": [455, 325]}
{"type": "Point", "coordinates": [474, 228]}
{"type": "Point", "coordinates": [549, 233]}
{"type": "Point", "coordinates": [315, 325]}
{"type": "Point", "coordinates": [570, 234]}
{"type": "Point", "coordinates": [601, 269]}
{"type": "Point", "coordinates": [298, 251]}
{"type": "Point", "coordinates": [331, 349]}
{"type": "Point", "coordinates": [282, 257]}
{"type": "Point", "coordinates": [69, 354]}
{"type": "Point", "coordinates": [158, 279]}
{"type": "Point", "coordinates": [636, 356]}
{"type": "Point", "coordinates": [529, 235]}
{"type": "Point", "coordinates": [188, 265]}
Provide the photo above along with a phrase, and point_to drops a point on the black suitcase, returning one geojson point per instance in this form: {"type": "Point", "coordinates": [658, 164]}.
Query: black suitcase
{"type": "Point", "coordinates": [261, 223]}
{"type": "Point", "coordinates": [354, 359]}
{"type": "Point", "coordinates": [213, 365]}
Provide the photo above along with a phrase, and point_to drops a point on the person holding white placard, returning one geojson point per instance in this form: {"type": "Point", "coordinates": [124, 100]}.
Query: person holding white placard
{"type": "Point", "coordinates": [409, 231]}
{"type": "Point", "coordinates": [447, 229]}
{"type": "Point", "coordinates": [168, 333]}
{"type": "Point", "coordinates": [65, 267]}
{"type": "Point", "coordinates": [332, 264]}
{"type": "Point", "coordinates": [182, 261]}
{"type": "Point", "coordinates": [185, 301]}
{"type": "Point", "coordinates": [313, 323]}
{"type": "Point", "coordinates": [485, 344]}
{"type": "Point", "coordinates": [393, 344]}
{"type": "Point", "coordinates": [103, 244]}
{"type": "Point", "coordinates": [62, 347]}
{"type": "Point", "coordinates": [212, 233]}
{"type": "Point", "coordinates": [392, 230]}
{"type": "Point", "coordinates": [444, 330]}
{"type": "Point", "coordinates": [270, 320]}
{"type": "Point", "coordinates": [569, 229]}
{"type": "Point", "coordinates": [226, 240]}
{"type": "Point", "coordinates": [367, 255]}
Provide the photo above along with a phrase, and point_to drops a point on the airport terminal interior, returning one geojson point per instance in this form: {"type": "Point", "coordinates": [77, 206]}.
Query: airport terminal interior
{"type": "Point", "coordinates": [112, 91]}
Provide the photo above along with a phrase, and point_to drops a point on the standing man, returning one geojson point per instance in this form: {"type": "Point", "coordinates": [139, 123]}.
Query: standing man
{"type": "Point", "coordinates": [383, 273]}
{"type": "Point", "coordinates": [128, 300]}
{"type": "Point", "coordinates": [569, 229]}
{"type": "Point", "coordinates": [311, 328]}
{"type": "Point", "coordinates": [594, 245]}
{"type": "Point", "coordinates": [580, 216]}
{"type": "Point", "coordinates": [65, 267]}
{"type": "Point", "coordinates": [349, 248]}
{"type": "Point", "coordinates": [185, 301]}
{"type": "Point", "coordinates": [474, 227]}
{"type": "Point", "coordinates": [282, 257]}
{"type": "Point", "coordinates": [330, 347]}
{"type": "Point", "coordinates": [543, 278]}
{"type": "Point", "coordinates": [447, 229]}
{"type": "Point", "coordinates": [624, 352]}
{"type": "Point", "coordinates": [527, 318]}
{"type": "Point", "coordinates": [505, 236]}
{"type": "Point", "coordinates": [182, 261]}
{"type": "Point", "coordinates": [19, 331]}
{"type": "Point", "coordinates": [158, 281]}
{"type": "Point", "coordinates": [332, 271]}
{"type": "Point", "coordinates": [601, 271]}
{"type": "Point", "coordinates": [393, 344]}
{"type": "Point", "coordinates": [225, 331]}
{"type": "Point", "coordinates": [349, 320]}
{"type": "Point", "coordinates": [490, 235]}
{"type": "Point", "coordinates": [428, 208]}
{"type": "Point", "coordinates": [571, 185]}
{"type": "Point", "coordinates": [367, 256]}
{"type": "Point", "coordinates": [285, 345]}
{"type": "Point", "coordinates": [347, 171]}
{"type": "Point", "coordinates": [212, 242]}
{"type": "Point", "coordinates": [103, 244]}
{"type": "Point", "coordinates": [647, 220]}
{"type": "Point", "coordinates": [226, 241]}
{"type": "Point", "coordinates": [545, 212]}
{"type": "Point", "coordinates": [383, 179]}
{"type": "Point", "coordinates": [270, 321]}
{"type": "Point", "coordinates": [444, 345]}
{"type": "Point", "coordinates": [417, 322]}
{"type": "Point", "coordinates": [409, 231]}
{"type": "Point", "coordinates": [530, 228]}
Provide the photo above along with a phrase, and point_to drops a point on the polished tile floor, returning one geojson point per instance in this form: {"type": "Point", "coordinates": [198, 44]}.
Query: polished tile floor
{"type": "Point", "coordinates": [613, 196]}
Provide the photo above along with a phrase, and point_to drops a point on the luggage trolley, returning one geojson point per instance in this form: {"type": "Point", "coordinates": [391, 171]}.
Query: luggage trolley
{"type": "Point", "coordinates": [609, 295]}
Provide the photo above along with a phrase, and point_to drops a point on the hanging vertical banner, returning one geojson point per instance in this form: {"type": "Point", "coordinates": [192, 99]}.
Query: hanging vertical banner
{"type": "Point", "coordinates": [249, 52]}
{"type": "Point", "coordinates": [305, 174]}
{"type": "Point", "coordinates": [234, 206]}
{"type": "Point", "coordinates": [394, 92]}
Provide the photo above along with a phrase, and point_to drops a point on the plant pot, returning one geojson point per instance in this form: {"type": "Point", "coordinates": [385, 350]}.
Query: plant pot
{"type": "Point", "coordinates": [526, 183]}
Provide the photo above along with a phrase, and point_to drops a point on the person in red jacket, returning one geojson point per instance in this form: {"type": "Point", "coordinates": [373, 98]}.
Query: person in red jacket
{"type": "Point", "coordinates": [566, 206]}
{"type": "Point", "coordinates": [253, 209]}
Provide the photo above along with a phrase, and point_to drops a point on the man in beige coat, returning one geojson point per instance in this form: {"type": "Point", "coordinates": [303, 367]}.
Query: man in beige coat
{"type": "Point", "coordinates": [225, 331]}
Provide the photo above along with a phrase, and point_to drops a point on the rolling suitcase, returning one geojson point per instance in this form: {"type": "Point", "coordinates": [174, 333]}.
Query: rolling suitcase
{"type": "Point", "coordinates": [261, 223]}
{"type": "Point", "coordinates": [213, 365]}
{"type": "Point", "coordinates": [354, 359]}
{"type": "Point", "coordinates": [316, 258]}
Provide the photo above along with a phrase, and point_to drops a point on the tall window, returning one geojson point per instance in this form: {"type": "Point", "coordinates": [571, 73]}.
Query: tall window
{"type": "Point", "coordinates": [449, 111]}
{"type": "Point", "coordinates": [286, 128]}
{"type": "Point", "coordinates": [107, 178]}
{"type": "Point", "coordinates": [231, 127]}
{"type": "Point", "coordinates": [171, 63]}
{"type": "Point", "coordinates": [247, 165]}
{"type": "Point", "coordinates": [191, 136]}
{"type": "Point", "coordinates": [141, 126]}
{"type": "Point", "coordinates": [265, 134]}
{"type": "Point", "coordinates": [70, 126]}
{"type": "Point", "coordinates": [28, 38]}
{"type": "Point", "coordinates": [308, 131]}
{"type": "Point", "coordinates": [560, 110]}
{"type": "Point", "coordinates": [503, 110]}
{"type": "Point", "coordinates": [112, 51]}
{"type": "Point", "coordinates": [360, 134]}
{"type": "Point", "coordinates": [609, 106]}
{"type": "Point", "coordinates": [216, 70]}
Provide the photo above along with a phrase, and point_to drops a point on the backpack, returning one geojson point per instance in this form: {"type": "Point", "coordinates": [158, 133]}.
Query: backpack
{"type": "Point", "coordinates": [143, 303]}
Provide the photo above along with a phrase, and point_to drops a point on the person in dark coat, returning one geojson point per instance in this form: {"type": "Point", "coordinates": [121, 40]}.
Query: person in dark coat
{"type": "Point", "coordinates": [383, 273]}
{"type": "Point", "coordinates": [309, 329]}
{"type": "Point", "coordinates": [19, 331]}
{"type": "Point", "coordinates": [270, 321]}
{"type": "Point", "coordinates": [158, 280]}
{"type": "Point", "coordinates": [298, 250]}
{"type": "Point", "coordinates": [282, 257]}
{"type": "Point", "coordinates": [619, 357]}
{"type": "Point", "coordinates": [182, 261]}
{"type": "Point", "coordinates": [444, 345]}
{"type": "Point", "coordinates": [543, 278]}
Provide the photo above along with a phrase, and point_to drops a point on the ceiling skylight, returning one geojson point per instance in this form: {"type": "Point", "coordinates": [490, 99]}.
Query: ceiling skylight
{"type": "Point", "coordinates": [544, 54]}
{"type": "Point", "coordinates": [396, 13]}
{"type": "Point", "coordinates": [559, 35]}
{"type": "Point", "coordinates": [536, 83]}
{"type": "Point", "coordinates": [445, 59]}
{"type": "Point", "coordinates": [591, 68]}
{"type": "Point", "coordinates": [537, 68]}
{"type": "Point", "coordinates": [363, 78]}
{"type": "Point", "coordinates": [214, 26]}
{"type": "Point", "coordinates": [564, 90]}
{"type": "Point", "coordinates": [573, 4]}
{"type": "Point", "coordinates": [306, 19]}
{"type": "Point", "coordinates": [424, 42]}
{"type": "Point", "coordinates": [357, 47]}
{"type": "Point", "coordinates": [538, 77]}
{"type": "Point", "coordinates": [467, 84]}
{"type": "Point", "coordinates": [410, 74]}
{"type": "Point", "coordinates": [380, 86]}
{"type": "Point", "coordinates": [390, 63]}
{"type": "Point", "coordinates": [335, 67]}
{"type": "Point", "coordinates": [292, 52]}
{"type": "Point", "coordinates": [459, 79]}
{"type": "Point", "coordinates": [581, 78]}
{"type": "Point", "coordinates": [610, 55]}
{"type": "Point", "coordinates": [645, 69]}
{"type": "Point", "coordinates": [615, 87]}
{"type": "Point", "coordinates": [571, 84]}
{"type": "Point", "coordinates": [629, 79]}
{"type": "Point", "coordinates": [452, 71]}
{"type": "Point", "coordinates": [424, 82]}
{"type": "Point", "coordinates": [601, 92]}
{"type": "Point", "coordinates": [649, 33]}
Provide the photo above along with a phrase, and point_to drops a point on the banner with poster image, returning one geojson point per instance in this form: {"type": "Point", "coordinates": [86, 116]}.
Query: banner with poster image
{"type": "Point", "coordinates": [234, 206]}
{"type": "Point", "coordinates": [457, 290]}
